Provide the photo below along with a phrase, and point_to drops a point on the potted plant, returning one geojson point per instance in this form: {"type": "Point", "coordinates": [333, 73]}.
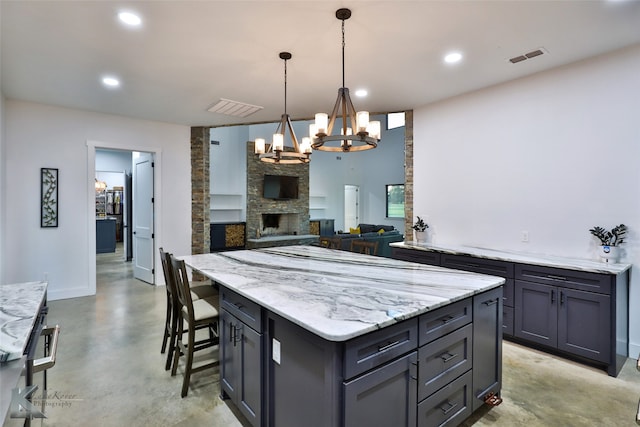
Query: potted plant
{"type": "Point", "coordinates": [420, 227]}
{"type": "Point", "coordinates": [609, 241]}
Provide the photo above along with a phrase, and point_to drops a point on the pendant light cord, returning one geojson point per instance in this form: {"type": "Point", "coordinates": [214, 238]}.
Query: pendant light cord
{"type": "Point", "coordinates": [285, 87]}
{"type": "Point", "coordinates": [343, 85]}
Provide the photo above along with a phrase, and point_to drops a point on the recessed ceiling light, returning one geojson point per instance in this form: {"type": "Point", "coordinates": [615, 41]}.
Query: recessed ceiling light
{"type": "Point", "coordinates": [130, 18]}
{"type": "Point", "coordinates": [453, 57]}
{"type": "Point", "coordinates": [361, 93]}
{"type": "Point", "coordinates": [110, 82]}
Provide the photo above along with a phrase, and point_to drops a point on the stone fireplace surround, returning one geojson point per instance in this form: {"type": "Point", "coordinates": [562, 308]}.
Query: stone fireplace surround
{"type": "Point", "coordinates": [269, 220]}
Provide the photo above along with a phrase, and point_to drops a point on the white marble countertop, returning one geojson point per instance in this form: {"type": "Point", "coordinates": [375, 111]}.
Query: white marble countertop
{"type": "Point", "coordinates": [337, 294]}
{"type": "Point", "coordinates": [521, 257]}
{"type": "Point", "coordinates": [19, 306]}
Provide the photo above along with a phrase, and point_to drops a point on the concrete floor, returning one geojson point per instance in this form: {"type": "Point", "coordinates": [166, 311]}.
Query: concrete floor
{"type": "Point", "coordinates": [110, 372]}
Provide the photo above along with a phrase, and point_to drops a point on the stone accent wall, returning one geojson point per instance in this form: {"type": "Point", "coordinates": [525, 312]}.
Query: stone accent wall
{"type": "Point", "coordinates": [258, 205]}
{"type": "Point", "coordinates": [408, 175]}
{"type": "Point", "coordinates": [200, 197]}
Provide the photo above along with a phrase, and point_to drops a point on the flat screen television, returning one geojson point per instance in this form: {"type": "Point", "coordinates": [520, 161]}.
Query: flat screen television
{"type": "Point", "coordinates": [280, 187]}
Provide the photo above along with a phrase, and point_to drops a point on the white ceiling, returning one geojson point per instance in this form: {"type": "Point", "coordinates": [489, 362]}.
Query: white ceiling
{"type": "Point", "coordinates": [189, 54]}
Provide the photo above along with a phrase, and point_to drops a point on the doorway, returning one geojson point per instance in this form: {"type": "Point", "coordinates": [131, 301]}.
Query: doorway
{"type": "Point", "coordinates": [351, 206]}
{"type": "Point", "coordinates": [152, 176]}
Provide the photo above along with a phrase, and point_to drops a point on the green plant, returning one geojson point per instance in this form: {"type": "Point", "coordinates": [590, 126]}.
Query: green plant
{"type": "Point", "coordinates": [614, 237]}
{"type": "Point", "coordinates": [420, 225]}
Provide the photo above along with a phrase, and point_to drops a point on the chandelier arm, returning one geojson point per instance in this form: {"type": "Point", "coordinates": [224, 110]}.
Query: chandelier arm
{"type": "Point", "coordinates": [294, 140]}
{"type": "Point", "coordinates": [334, 113]}
{"type": "Point", "coordinates": [351, 112]}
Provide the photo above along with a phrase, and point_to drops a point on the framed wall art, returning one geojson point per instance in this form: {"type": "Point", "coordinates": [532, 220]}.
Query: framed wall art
{"type": "Point", "coordinates": [48, 197]}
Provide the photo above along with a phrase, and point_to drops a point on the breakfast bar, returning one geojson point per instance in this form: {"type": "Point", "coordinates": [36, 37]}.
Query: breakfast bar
{"type": "Point", "coordinates": [332, 338]}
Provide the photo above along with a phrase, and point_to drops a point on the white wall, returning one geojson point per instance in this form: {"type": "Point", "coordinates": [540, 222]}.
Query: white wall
{"type": "Point", "coordinates": [553, 154]}
{"type": "Point", "coordinates": [45, 136]}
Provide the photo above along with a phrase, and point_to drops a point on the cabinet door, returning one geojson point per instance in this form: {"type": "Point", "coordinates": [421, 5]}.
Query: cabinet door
{"type": "Point", "coordinates": [536, 313]}
{"type": "Point", "coordinates": [584, 324]}
{"type": "Point", "coordinates": [487, 345]}
{"type": "Point", "coordinates": [229, 356]}
{"type": "Point", "coordinates": [241, 366]}
{"type": "Point", "coordinates": [250, 392]}
{"type": "Point", "coordinates": [386, 396]}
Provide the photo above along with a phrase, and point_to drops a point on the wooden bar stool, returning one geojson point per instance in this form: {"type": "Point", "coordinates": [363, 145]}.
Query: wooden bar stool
{"type": "Point", "coordinates": [198, 291]}
{"type": "Point", "coordinates": [364, 247]}
{"type": "Point", "coordinates": [198, 314]}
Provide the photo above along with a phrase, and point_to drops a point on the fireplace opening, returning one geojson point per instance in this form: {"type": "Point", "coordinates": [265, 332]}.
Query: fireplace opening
{"type": "Point", "coordinates": [279, 224]}
{"type": "Point", "coordinates": [270, 221]}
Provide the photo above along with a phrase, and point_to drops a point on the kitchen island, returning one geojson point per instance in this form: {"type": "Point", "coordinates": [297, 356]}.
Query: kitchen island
{"type": "Point", "coordinates": [20, 307]}
{"type": "Point", "coordinates": [318, 337]}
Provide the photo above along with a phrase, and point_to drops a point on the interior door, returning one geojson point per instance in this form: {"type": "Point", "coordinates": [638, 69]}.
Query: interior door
{"type": "Point", "coordinates": [143, 217]}
{"type": "Point", "coordinates": [351, 207]}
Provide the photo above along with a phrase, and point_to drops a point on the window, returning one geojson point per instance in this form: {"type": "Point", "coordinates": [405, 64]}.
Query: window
{"type": "Point", "coordinates": [395, 120]}
{"type": "Point", "coordinates": [395, 200]}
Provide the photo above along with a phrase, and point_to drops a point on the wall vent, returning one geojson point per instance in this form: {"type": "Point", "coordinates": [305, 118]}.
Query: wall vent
{"type": "Point", "coordinates": [528, 55]}
{"type": "Point", "coordinates": [234, 108]}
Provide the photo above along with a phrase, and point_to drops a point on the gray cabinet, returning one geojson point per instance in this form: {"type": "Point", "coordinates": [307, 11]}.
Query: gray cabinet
{"type": "Point", "coordinates": [373, 398]}
{"type": "Point", "coordinates": [576, 313]}
{"type": "Point", "coordinates": [241, 354]}
{"type": "Point", "coordinates": [412, 373]}
{"type": "Point", "coordinates": [562, 317]}
{"type": "Point", "coordinates": [321, 227]}
{"type": "Point", "coordinates": [487, 346]}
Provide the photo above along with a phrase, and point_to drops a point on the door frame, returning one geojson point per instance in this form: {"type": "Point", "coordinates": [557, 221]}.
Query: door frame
{"type": "Point", "coordinates": [92, 145]}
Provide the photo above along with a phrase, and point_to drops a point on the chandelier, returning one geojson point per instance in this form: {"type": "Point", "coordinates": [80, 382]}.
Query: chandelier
{"type": "Point", "coordinates": [357, 132]}
{"type": "Point", "coordinates": [276, 152]}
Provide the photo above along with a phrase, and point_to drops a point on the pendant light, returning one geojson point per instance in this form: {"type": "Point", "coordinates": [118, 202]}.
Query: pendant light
{"type": "Point", "coordinates": [357, 132]}
{"type": "Point", "coordinates": [277, 152]}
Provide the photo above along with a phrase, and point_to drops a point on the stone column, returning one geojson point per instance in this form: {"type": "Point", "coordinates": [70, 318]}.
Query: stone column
{"type": "Point", "coordinates": [408, 175]}
{"type": "Point", "coordinates": [200, 222]}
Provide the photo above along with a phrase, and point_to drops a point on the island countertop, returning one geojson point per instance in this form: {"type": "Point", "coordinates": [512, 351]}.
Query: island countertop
{"type": "Point", "coordinates": [19, 307]}
{"type": "Point", "coordinates": [338, 295]}
{"type": "Point", "coordinates": [520, 257]}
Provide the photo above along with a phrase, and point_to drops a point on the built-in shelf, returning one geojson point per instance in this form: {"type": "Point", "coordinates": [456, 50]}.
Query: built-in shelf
{"type": "Point", "coordinates": [226, 202]}
{"type": "Point", "coordinates": [317, 203]}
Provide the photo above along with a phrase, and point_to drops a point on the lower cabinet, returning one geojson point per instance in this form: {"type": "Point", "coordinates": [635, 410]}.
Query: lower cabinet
{"type": "Point", "coordinates": [573, 312]}
{"type": "Point", "coordinates": [432, 370]}
{"type": "Point", "coordinates": [241, 358]}
{"type": "Point", "coordinates": [570, 320]}
{"type": "Point", "coordinates": [385, 396]}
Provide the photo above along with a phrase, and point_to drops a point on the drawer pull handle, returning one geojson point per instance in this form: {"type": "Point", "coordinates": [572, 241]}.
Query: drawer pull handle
{"type": "Point", "coordinates": [554, 277]}
{"type": "Point", "coordinates": [447, 319]}
{"type": "Point", "coordinates": [490, 302]}
{"type": "Point", "coordinates": [448, 409]}
{"type": "Point", "coordinates": [446, 356]}
{"type": "Point", "coordinates": [382, 348]}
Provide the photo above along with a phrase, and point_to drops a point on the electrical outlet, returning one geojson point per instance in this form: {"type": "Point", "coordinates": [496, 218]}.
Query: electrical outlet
{"type": "Point", "coordinates": [525, 236]}
{"type": "Point", "coordinates": [276, 351]}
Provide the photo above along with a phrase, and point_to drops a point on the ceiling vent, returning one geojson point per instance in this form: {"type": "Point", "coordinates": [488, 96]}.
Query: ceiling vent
{"type": "Point", "coordinates": [528, 55]}
{"type": "Point", "coordinates": [233, 108]}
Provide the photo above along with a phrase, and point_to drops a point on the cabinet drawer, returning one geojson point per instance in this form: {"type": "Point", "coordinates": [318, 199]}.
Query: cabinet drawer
{"type": "Point", "coordinates": [247, 311]}
{"type": "Point", "coordinates": [507, 321]}
{"type": "Point", "coordinates": [413, 255]}
{"type": "Point", "coordinates": [371, 350]}
{"type": "Point", "coordinates": [450, 405]}
{"type": "Point", "coordinates": [437, 323]}
{"type": "Point", "coordinates": [581, 280]}
{"type": "Point", "coordinates": [478, 265]}
{"type": "Point", "coordinates": [443, 360]}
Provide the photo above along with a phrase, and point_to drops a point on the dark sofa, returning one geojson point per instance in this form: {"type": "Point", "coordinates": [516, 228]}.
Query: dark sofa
{"type": "Point", "coordinates": [371, 232]}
